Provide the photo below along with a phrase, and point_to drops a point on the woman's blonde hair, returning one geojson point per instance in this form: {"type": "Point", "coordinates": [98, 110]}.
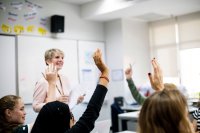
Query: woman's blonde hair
{"type": "Point", "coordinates": [165, 112]}
{"type": "Point", "coordinates": [49, 54]}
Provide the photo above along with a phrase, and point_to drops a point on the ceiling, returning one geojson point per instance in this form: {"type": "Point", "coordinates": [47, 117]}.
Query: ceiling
{"type": "Point", "coordinates": [145, 10]}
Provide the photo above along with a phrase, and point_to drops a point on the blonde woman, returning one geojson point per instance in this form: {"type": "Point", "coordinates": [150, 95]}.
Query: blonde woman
{"type": "Point", "coordinates": [64, 91]}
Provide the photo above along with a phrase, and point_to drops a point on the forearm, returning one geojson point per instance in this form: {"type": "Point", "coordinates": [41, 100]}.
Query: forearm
{"type": "Point", "coordinates": [135, 93]}
{"type": "Point", "coordinates": [104, 79]}
{"type": "Point", "coordinates": [51, 94]}
{"type": "Point", "coordinates": [87, 120]}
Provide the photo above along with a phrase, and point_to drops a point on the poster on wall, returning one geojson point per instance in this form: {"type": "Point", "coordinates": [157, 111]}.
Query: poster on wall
{"type": "Point", "coordinates": [23, 17]}
{"type": "Point", "coordinates": [88, 72]}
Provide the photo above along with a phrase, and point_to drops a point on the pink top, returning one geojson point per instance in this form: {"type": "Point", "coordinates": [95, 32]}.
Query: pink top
{"type": "Point", "coordinates": [41, 89]}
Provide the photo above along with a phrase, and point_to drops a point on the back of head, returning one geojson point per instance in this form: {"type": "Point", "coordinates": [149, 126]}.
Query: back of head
{"type": "Point", "coordinates": [164, 112]}
{"type": "Point", "coordinates": [170, 86]}
{"type": "Point", "coordinates": [7, 102]}
{"type": "Point", "coordinates": [54, 117]}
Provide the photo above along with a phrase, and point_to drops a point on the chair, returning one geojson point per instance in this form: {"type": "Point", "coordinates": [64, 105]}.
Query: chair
{"type": "Point", "coordinates": [115, 110]}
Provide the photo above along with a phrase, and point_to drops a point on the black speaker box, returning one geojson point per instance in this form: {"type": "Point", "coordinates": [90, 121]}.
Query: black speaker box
{"type": "Point", "coordinates": [57, 24]}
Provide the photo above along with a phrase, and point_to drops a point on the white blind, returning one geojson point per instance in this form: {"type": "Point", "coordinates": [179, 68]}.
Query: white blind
{"type": "Point", "coordinates": [163, 43]}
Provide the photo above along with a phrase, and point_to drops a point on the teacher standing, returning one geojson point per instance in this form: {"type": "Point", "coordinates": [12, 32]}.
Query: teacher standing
{"type": "Point", "coordinates": [63, 92]}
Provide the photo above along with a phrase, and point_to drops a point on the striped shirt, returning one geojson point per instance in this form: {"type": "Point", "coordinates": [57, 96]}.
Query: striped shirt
{"type": "Point", "coordinates": [196, 116]}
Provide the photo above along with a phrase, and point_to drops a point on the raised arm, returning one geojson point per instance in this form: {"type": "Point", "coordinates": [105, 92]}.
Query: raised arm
{"type": "Point", "coordinates": [86, 122]}
{"type": "Point", "coordinates": [156, 79]}
{"type": "Point", "coordinates": [51, 75]}
{"type": "Point", "coordinates": [135, 93]}
{"type": "Point", "coordinates": [104, 78]}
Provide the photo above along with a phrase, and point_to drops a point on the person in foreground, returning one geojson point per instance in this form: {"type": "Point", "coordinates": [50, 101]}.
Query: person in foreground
{"type": "Point", "coordinates": [55, 117]}
{"type": "Point", "coordinates": [165, 111]}
{"type": "Point", "coordinates": [196, 118]}
{"type": "Point", "coordinates": [12, 115]}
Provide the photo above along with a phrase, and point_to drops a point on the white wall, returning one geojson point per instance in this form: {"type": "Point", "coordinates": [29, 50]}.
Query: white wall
{"type": "Point", "coordinates": [114, 52]}
{"type": "Point", "coordinates": [136, 52]}
{"type": "Point", "coordinates": [75, 27]}
{"type": "Point", "coordinates": [123, 38]}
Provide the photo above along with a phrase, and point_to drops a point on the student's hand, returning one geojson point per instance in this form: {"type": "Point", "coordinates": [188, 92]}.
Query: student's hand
{"type": "Point", "coordinates": [97, 56]}
{"type": "Point", "coordinates": [104, 78]}
{"type": "Point", "coordinates": [156, 79]}
{"type": "Point", "coordinates": [51, 74]}
{"type": "Point", "coordinates": [63, 98]}
{"type": "Point", "coordinates": [129, 72]}
{"type": "Point", "coordinates": [80, 99]}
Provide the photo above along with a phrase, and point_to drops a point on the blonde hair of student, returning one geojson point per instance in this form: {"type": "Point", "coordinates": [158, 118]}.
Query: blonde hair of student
{"type": "Point", "coordinates": [49, 54]}
{"type": "Point", "coordinates": [165, 112]}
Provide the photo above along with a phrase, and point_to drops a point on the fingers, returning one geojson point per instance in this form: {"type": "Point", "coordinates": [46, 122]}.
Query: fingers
{"type": "Point", "coordinates": [150, 79]}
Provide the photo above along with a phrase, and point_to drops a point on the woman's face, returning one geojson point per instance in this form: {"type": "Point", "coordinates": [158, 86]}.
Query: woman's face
{"type": "Point", "coordinates": [58, 60]}
{"type": "Point", "coordinates": [17, 115]}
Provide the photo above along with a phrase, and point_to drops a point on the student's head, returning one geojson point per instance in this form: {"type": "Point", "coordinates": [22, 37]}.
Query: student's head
{"type": "Point", "coordinates": [170, 86]}
{"type": "Point", "coordinates": [11, 111]}
{"type": "Point", "coordinates": [54, 117]}
{"type": "Point", "coordinates": [164, 112]}
{"type": "Point", "coordinates": [55, 56]}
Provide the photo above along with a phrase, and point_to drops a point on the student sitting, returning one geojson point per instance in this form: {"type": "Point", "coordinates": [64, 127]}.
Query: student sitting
{"type": "Point", "coordinates": [196, 121]}
{"type": "Point", "coordinates": [165, 112]}
{"type": "Point", "coordinates": [12, 115]}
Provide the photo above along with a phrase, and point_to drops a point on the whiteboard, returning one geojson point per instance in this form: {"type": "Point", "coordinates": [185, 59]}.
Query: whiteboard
{"type": "Point", "coordinates": [8, 65]}
{"type": "Point", "coordinates": [88, 72]}
{"type": "Point", "coordinates": [31, 61]}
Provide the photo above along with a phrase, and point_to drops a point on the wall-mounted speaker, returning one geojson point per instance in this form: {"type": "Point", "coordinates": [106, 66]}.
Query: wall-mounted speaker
{"type": "Point", "coordinates": [57, 24]}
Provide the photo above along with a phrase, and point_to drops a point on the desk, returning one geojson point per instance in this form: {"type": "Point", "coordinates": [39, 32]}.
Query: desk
{"type": "Point", "coordinates": [126, 132]}
{"type": "Point", "coordinates": [129, 108]}
{"type": "Point", "coordinates": [131, 116]}
{"type": "Point", "coordinates": [192, 109]}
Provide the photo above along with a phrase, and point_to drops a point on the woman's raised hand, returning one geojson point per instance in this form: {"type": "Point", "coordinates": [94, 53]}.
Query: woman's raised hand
{"type": "Point", "coordinates": [156, 79]}
{"type": "Point", "coordinates": [97, 56]}
{"type": "Point", "coordinates": [51, 73]}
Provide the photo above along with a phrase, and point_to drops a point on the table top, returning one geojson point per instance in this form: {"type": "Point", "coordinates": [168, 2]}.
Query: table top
{"type": "Point", "coordinates": [131, 107]}
{"type": "Point", "coordinates": [129, 115]}
{"type": "Point", "coordinates": [134, 115]}
{"type": "Point", "coordinates": [126, 132]}
{"type": "Point", "coordinates": [192, 109]}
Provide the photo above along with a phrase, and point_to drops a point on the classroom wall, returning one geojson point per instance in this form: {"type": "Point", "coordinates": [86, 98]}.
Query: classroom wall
{"type": "Point", "coordinates": [76, 28]}
{"type": "Point", "coordinates": [120, 36]}
{"type": "Point", "coordinates": [39, 16]}
{"type": "Point", "coordinates": [136, 52]}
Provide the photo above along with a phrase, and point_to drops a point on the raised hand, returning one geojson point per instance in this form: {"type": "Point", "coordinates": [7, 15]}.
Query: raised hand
{"type": "Point", "coordinates": [51, 73]}
{"type": "Point", "coordinates": [156, 79]}
{"type": "Point", "coordinates": [97, 56]}
{"type": "Point", "coordinates": [51, 76]}
{"type": "Point", "coordinates": [129, 72]}
{"type": "Point", "coordinates": [104, 78]}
